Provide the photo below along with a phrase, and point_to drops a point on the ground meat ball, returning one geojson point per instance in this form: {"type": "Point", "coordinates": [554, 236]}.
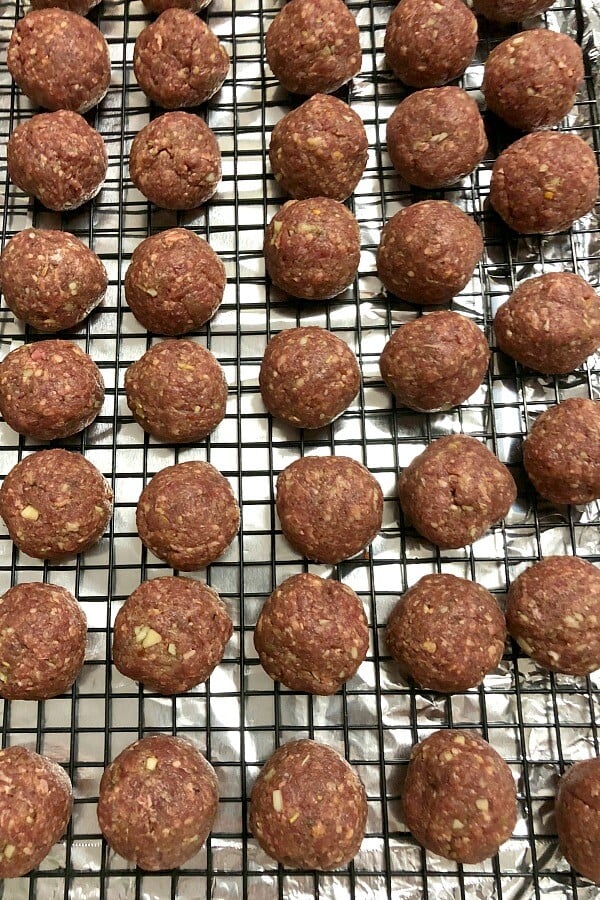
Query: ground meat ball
{"type": "Point", "coordinates": [505, 11]}
{"type": "Point", "coordinates": [544, 182]}
{"type": "Point", "coordinates": [50, 279]}
{"type": "Point", "coordinates": [81, 7]}
{"type": "Point", "coordinates": [59, 60]}
{"type": "Point", "coordinates": [43, 632]}
{"type": "Point", "coordinates": [550, 323]}
{"type": "Point", "coordinates": [57, 158]}
{"type": "Point", "coordinates": [159, 6]}
{"type": "Point", "coordinates": [177, 391]}
{"type": "Point", "coordinates": [158, 801]}
{"type": "Point", "coordinates": [330, 507]}
{"type": "Point", "coordinates": [446, 633]}
{"type": "Point", "coordinates": [50, 390]}
{"type": "Point", "coordinates": [577, 812]}
{"type": "Point", "coordinates": [436, 137]}
{"type": "Point", "coordinates": [531, 79]}
{"type": "Point", "coordinates": [170, 634]}
{"type": "Point", "coordinates": [308, 377]}
{"type": "Point", "coordinates": [36, 800]}
{"type": "Point", "coordinates": [312, 248]}
{"type": "Point", "coordinates": [175, 282]}
{"type": "Point", "coordinates": [178, 60]}
{"type": "Point", "coordinates": [435, 362]}
{"type": "Point", "coordinates": [312, 634]}
{"type": "Point", "coordinates": [309, 807]}
{"type": "Point", "coordinates": [428, 252]}
{"type": "Point", "coordinates": [562, 453]}
{"type": "Point", "coordinates": [430, 42]}
{"type": "Point", "coordinates": [459, 797]}
{"type": "Point", "coordinates": [175, 161]}
{"type": "Point", "coordinates": [455, 490]}
{"type": "Point", "coordinates": [313, 46]}
{"type": "Point", "coordinates": [55, 504]}
{"type": "Point", "coordinates": [168, 518]}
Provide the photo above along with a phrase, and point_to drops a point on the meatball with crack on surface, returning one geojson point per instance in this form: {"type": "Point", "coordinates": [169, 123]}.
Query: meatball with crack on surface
{"type": "Point", "coordinates": [577, 812]}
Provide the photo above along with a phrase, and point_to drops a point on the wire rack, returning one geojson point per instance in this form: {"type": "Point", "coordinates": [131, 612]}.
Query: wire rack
{"type": "Point", "coordinates": [538, 722]}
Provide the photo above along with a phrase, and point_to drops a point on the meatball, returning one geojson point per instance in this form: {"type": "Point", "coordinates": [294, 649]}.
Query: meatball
{"type": "Point", "coordinates": [435, 362]}
{"type": "Point", "coordinates": [54, 504]}
{"type": "Point", "coordinates": [36, 802]}
{"type": "Point", "coordinates": [178, 60]}
{"type": "Point", "coordinates": [446, 633]}
{"type": "Point", "coordinates": [428, 252]}
{"type": "Point", "coordinates": [170, 634]}
{"type": "Point", "coordinates": [455, 491]}
{"type": "Point", "coordinates": [436, 137]}
{"type": "Point", "coordinates": [47, 48]}
{"type": "Point", "coordinates": [175, 282]}
{"type": "Point", "coordinates": [177, 391]}
{"type": "Point", "coordinates": [308, 377]}
{"type": "Point", "coordinates": [50, 390]}
{"type": "Point", "coordinates": [505, 11]}
{"type": "Point", "coordinates": [550, 323]}
{"type": "Point", "coordinates": [175, 161]}
{"type": "Point", "coordinates": [81, 7]}
{"type": "Point", "coordinates": [562, 453]}
{"type": "Point", "coordinates": [180, 797]}
{"type": "Point", "coordinates": [43, 631]}
{"type": "Point", "coordinates": [188, 515]}
{"type": "Point", "coordinates": [313, 46]}
{"type": "Point", "coordinates": [57, 158]}
{"type": "Point", "coordinates": [430, 42]}
{"type": "Point", "coordinates": [308, 807]}
{"type": "Point", "coordinates": [531, 79]}
{"type": "Point", "coordinates": [544, 182]}
{"type": "Point", "coordinates": [50, 279]}
{"type": "Point", "coordinates": [159, 6]}
{"type": "Point", "coordinates": [577, 812]}
{"type": "Point", "coordinates": [319, 149]}
{"type": "Point", "coordinates": [330, 507]}
{"type": "Point", "coordinates": [312, 248]}
{"type": "Point", "coordinates": [312, 634]}
{"type": "Point", "coordinates": [459, 797]}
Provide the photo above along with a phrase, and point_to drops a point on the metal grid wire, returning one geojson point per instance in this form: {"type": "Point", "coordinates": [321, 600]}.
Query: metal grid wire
{"type": "Point", "coordinates": [538, 722]}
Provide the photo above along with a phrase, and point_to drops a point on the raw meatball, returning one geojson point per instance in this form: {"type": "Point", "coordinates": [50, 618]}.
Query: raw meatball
{"type": "Point", "coordinates": [57, 158]}
{"type": "Point", "coordinates": [446, 633]}
{"type": "Point", "coordinates": [544, 182]}
{"type": "Point", "coordinates": [577, 812]}
{"type": "Point", "coordinates": [50, 390]}
{"type": "Point", "coordinates": [81, 7]}
{"type": "Point", "coordinates": [550, 323]}
{"type": "Point", "coordinates": [312, 248]}
{"type": "Point", "coordinates": [175, 161]}
{"type": "Point", "coordinates": [170, 634]}
{"type": "Point", "coordinates": [531, 79]}
{"type": "Point", "coordinates": [36, 802]}
{"type": "Point", "coordinates": [459, 796]}
{"type": "Point", "coordinates": [180, 797]}
{"type": "Point", "coordinates": [175, 282]}
{"type": "Point", "coordinates": [505, 11]}
{"type": "Point", "coordinates": [308, 377]}
{"type": "Point", "coordinates": [455, 491]}
{"type": "Point", "coordinates": [178, 60]}
{"type": "Point", "coordinates": [177, 391]}
{"type": "Point", "coordinates": [313, 46]}
{"type": "Point", "coordinates": [309, 807]}
{"type": "Point", "coordinates": [54, 504]}
{"type": "Point", "coordinates": [428, 252]}
{"type": "Point", "coordinates": [43, 632]}
{"type": "Point", "coordinates": [59, 60]}
{"type": "Point", "coordinates": [435, 362]}
{"type": "Point", "coordinates": [312, 634]}
{"type": "Point", "coordinates": [330, 507]}
{"type": "Point", "coordinates": [436, 137]}
{"type": "Point", "coordinates": [187, 515]}
{"type": "Point", "coordinates": [430, 42]}
{"type": "Point", "coordinates": [50, 279]}
{"type": "Point", "coordinates": [159, 6]}
{"type": "Point", "coordinates": [319, 149]}
{"type": "Point", "coordinates": [562, 453]}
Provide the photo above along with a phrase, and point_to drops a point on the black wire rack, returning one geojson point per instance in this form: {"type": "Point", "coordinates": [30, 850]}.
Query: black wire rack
{"type": "Point", "coordinates": [538, 722]}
